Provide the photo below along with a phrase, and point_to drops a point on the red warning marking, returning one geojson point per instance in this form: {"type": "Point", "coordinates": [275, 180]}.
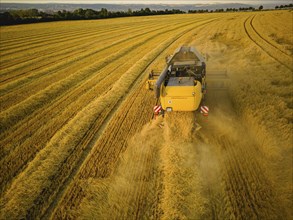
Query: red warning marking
{"type": "Point", "coordinates": [204, 110]}
{"type": "Point", "coordinates": [157, 109]}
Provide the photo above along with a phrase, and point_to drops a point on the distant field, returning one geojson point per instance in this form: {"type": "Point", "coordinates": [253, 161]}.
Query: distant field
{"type": "Point", "coordinates": [75, 134]}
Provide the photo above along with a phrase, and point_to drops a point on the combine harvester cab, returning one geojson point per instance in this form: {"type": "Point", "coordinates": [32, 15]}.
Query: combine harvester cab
{"type": "Point", "coordinates": [182, 84]}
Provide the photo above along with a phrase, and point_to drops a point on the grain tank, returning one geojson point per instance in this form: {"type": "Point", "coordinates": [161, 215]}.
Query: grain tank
{"type": "Point", "coordinates": [182, 83]}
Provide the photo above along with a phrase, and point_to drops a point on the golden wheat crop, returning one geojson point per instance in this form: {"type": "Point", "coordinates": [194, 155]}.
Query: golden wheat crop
{"type": "Point", "coordinates": [76, 141]}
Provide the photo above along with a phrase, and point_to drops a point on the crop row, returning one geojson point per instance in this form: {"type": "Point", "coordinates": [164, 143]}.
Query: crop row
{"type": "Point", "coordinates": [45, 49]}
{"type": "Point", "coordinates": [75, 135]}
{"type": "Point", "coordinates": [26, 32]}
{"type": "Point", "coordinates": [42, 123]}
{"type": "Point", "coordinates": [246, 185]}
{"type": "Point", "coordinates": [130, 117]}
{"type": "Point", "coordinates": [39, 80]}
{"type": "Point", "coordinates": [34, 60]}
{"type": "Point", "coordinates": [41, 43]}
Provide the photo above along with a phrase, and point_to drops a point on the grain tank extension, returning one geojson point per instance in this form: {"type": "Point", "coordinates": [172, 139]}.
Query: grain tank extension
{"type": "Point", "coordinates": [181, 85]}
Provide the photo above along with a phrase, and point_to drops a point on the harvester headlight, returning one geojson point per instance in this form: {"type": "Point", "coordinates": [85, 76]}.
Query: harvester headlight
{"type": "Point", "coordinates": [169, 109]}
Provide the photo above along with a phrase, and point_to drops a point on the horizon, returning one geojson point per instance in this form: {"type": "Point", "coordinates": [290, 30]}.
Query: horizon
{"type": "Point", "coordinates": [161, 2]}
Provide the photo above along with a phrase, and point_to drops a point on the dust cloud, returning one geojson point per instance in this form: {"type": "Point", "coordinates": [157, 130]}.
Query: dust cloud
{"type": "Point", "coordinates": [183, 194]}
{"type": "Point", "coordinates": [172, 171]}
{"type": "Point", "coordinates": [157, 177]}
{"type": "Point", "coordinates": [133, 184]}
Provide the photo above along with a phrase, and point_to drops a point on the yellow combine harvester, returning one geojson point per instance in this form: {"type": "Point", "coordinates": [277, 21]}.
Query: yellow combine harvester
{"type": "Point", "coordinates": [182, 84]}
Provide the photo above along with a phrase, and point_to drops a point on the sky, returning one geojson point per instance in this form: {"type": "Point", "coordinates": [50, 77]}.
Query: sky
{"type": "Point", "coordinates": [148, 1]}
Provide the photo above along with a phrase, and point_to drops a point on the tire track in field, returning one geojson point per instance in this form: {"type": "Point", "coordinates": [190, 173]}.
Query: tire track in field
{"type": "Point", "coordinates": [264, 45]}
{"type": "Point", "coordinates": [104, 157]}
{"type": "Point", "coordinates": [47, 115]}
{"type": "Point", "coordinates": [251, 23]}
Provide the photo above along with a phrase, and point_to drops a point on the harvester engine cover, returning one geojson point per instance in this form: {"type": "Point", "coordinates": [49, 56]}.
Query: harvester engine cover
{"type": "Point", "coordinates": [181, 85]}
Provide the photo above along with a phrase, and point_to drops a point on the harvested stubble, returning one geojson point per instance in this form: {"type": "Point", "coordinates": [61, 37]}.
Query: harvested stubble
{"type": "Point", "coordinates": [68, 137]}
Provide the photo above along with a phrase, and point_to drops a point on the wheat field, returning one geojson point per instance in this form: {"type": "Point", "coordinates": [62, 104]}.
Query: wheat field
{"type": "Point", "coordinates": [77, 139]}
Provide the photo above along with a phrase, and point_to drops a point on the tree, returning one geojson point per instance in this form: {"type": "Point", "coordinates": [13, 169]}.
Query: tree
{"type": "Point", "coordinates": [129, 11]}
{"type": "Point", "coordinates": [104, 13]}
{"type": "Point", "coordinates": [79, 12]}
{"type": "Point", "coordinates": [147, 11]}
{"type": "Point", "coordinates": [89, 14]}
{"type": "Point", "coordinates": [6, 18]}
{"type": "Point", "coordinates": [260, 8]}
{"type": "Point", "coordinates": [33, 12]}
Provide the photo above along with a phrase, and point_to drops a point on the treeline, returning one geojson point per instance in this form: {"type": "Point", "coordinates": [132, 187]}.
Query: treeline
{"type": "Point", "coordinates": [284, 6]}
{"type": "Point", "coordinates": [227, 10]}
{"type": "Point", "coordinates": [34, 15]}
